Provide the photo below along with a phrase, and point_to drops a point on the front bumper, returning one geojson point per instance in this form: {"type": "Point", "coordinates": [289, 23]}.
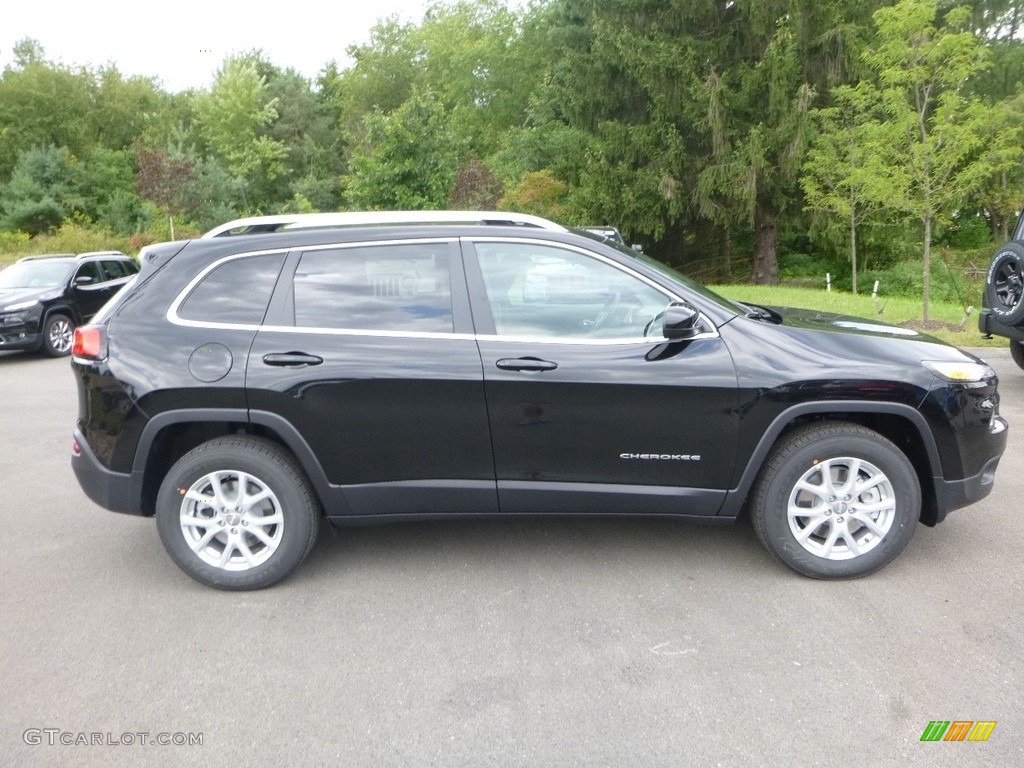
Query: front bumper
{"type": "Point", "coordinates": [19, 338]}
{"type": "Point", "coordinates": [116, 491]}
{"type": "Point", "coordinates": [955, 494]}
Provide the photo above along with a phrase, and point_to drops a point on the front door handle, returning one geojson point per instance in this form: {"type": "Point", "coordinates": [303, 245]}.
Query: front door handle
{"type": "Point", "coordinates": [530, 364]}
{"type": "Point", "coordinates": [292, 359]}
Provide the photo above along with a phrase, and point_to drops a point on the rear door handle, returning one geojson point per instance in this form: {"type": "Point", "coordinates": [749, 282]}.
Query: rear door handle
{"type": "Point", "coordinates": [530, 364]}
{"type": "Point", "coordinates": [292, 359]}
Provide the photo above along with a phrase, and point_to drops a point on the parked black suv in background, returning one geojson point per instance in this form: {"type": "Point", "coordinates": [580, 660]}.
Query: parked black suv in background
{"type": "Point", "coordinates": [43, 298]}
{"type": "Point", "coordinates": [389, 366]}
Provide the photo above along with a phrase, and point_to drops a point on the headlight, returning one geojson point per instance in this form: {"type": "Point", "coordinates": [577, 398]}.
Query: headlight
{"type": "Point", "coordinates": [20, 305]}
{"type": "Point", "coordinates": [959, 371]}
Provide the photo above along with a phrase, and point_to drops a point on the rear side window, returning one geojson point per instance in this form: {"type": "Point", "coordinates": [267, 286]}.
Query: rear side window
{"type": "Point", "coordinates": [117, 269]}
{"type": "Point", "coordinates": [401, 288]}
{"type": "Point", "coordinates": [237, 291]}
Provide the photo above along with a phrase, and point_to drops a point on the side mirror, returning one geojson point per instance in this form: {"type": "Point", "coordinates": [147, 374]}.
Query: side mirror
{"type": "Point", "coordinates": [83, 280]}
{"type": "Point", "coordinates": [680, 321]}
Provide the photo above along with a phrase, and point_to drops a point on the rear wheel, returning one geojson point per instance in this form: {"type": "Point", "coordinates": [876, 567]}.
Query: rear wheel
{"type": "Point", "coordinates": [1017, 352]}
{"type": "Point", "coordinates": [1004, 286]}
{"type": "Point", "coordinates": [836, 501]}
{"type": "Point", "coordinates": [237, 513]}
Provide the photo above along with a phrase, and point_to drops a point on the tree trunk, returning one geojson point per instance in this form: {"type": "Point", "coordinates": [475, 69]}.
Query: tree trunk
{"type": "Point", "coordinates": [766, 245]}
{"type": "Point", "coordinates": [927, 261]}
{"type": "Point", "coordinates": [853, 246]}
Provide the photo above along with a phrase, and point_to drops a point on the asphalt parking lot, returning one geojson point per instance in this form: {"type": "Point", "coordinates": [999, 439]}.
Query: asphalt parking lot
{"type": "Point", "coordinates": [506, 643]}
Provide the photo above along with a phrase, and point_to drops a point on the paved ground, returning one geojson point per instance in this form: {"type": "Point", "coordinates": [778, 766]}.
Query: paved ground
{"type": "Point", "coordinates": [618, 643]}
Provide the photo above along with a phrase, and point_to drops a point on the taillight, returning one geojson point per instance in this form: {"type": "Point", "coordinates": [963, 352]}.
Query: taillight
{"type": "Point", "coordinates": [90, 342]}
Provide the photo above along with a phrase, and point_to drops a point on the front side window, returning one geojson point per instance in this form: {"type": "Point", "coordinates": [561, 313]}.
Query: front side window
{"type": "Point", "coordinates": [237, 291]}
{"type": "Point", "coordinates": [401, 288]}
{"type": "Point", "coordinates": [91, 270]}
{"type": "Point", "coordinates": [549, 292]}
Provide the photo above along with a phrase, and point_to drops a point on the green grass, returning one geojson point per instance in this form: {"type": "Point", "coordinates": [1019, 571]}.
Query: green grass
{"type": "Point", "coordinates": [946, 321]}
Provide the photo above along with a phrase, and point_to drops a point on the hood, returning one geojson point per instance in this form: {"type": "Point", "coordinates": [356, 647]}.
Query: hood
{"type": "Point", "coordinates": [10, 296]}
{"type": "Point", "coordinates": [829, 321]}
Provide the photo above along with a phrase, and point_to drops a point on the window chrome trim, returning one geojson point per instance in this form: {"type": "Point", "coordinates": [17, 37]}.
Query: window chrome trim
{"type": "Point", "coordinates": [172, 311]}
{"type": "Point", "coordinates": [173, 317]}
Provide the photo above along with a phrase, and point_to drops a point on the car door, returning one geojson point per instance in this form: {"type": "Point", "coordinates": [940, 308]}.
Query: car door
{"type": "Point", "coordinates": [91, 289]}
{"type": "Point", "coordinates": [591, 409]}
{"type": "Point", "coordinates": [368, 352]}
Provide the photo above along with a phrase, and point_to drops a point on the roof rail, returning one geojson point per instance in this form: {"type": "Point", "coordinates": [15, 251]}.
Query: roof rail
{"type": "Point", "coordinates": [287, 222]}
{"type": "Point", "coordinates": [47, 256]}
{"type": "Point", "coordinates": [93, 254]}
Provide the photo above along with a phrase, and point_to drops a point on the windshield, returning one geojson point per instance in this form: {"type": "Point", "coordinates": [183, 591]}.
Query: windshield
{"type": "Point", "coordinates": [35, 274]}
{"type": "Point", "coordinates": [666, 270]}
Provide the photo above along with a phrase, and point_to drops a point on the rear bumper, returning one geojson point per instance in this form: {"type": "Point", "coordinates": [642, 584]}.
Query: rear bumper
{"type": "Point", "coordinates": [115, 491]}
{"type": "Point", "coordinates": [991, 326]}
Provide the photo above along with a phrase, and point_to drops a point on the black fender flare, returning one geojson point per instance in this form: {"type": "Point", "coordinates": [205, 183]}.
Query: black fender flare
{"type": "Point", "coordinates": [737, 496]}
{"type": "Point", "coordinates": [280, 426]}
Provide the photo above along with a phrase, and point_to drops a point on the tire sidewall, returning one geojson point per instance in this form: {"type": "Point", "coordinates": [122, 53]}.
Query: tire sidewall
{"type": "Point", "coordinates": [1010, 252]}
{"type": "Point", "coordinates": [778, 537]}
{"type": "Point", "coordinates": [298, 514]}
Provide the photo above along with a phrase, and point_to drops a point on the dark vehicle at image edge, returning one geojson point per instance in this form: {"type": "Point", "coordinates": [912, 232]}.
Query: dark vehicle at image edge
{"type": "Point", "coordinates": [1003, 299]}
{"type": "Point", "coordinates": [393, 366]}
{"type": "Point", "coordinates": [43, 298]}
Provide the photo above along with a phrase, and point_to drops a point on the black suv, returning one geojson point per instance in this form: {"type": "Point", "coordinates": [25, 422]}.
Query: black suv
{"type": "Point", "coordinates": [1003, 302]}
{"type": "Point", "coordinates": [389, 366]}
{"type": "Point", "coordinates": [43, 298]}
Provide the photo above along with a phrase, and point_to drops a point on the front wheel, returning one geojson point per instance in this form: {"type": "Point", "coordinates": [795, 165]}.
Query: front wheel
{"type": "Point", "coordinates": [836, 501]}
{"type": "Point", "coordinates": [58, 335]}
{"type": "Point", "coordinates": [237, 513]}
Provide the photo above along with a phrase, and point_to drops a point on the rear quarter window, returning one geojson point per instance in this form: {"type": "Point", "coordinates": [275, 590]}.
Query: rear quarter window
{"type": "Point", "coordinates": [236, 291]}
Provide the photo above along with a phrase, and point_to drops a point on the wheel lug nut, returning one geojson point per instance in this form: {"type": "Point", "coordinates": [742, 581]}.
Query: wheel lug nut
{"type": "Point", "coordinates": [245, 522]}
{"type": "Point", "coordinates": [234, 530]}
{"type": "Point", "coordinates": [838, 520]}
{"type": "Point", "coordinates": [222, 523]}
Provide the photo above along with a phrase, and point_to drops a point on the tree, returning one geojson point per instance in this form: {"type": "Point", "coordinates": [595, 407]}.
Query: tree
{"type": "Point", "coordinates": [933, 129]}
{"type": "Point", "coordinates": [843, 175]}
{"type": "Point", "coordinates": [407, 159]}
{"type": "Point", "coordinates": [43, 104]}
{"type": "Point", "coordinates": [39, 195]}
{"type": "Point", "coordinates": [233, 118]}
{"type": "Point", "coordinates": [164, 179]}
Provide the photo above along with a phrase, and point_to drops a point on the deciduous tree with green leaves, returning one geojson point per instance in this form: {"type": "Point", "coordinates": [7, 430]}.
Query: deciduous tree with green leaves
{"type": "Point", "coordinates": [407, 159]}
{"type": "Point", "coordinates": [933, 129]}
{"type": "Point", "coordinates": [233, 118]}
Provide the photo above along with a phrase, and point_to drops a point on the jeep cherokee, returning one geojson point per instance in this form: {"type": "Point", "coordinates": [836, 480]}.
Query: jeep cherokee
{"type": "Point", "coordinates": [390, 366]}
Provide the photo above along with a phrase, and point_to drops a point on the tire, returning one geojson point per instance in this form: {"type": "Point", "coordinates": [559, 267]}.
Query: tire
{"type": "Point", "coordinates": [1017, 352]}
{"type": "Point", "coordinates": [239, 549]}
{"type": "Point", "coordinates": [58, 335]}
{"type": "Point", "coordinates": [824, 544]}
{"type": "Point", "coordinates": [1004, 285]}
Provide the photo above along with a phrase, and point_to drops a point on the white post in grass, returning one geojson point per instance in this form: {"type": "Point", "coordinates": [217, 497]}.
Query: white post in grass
{"type": "Point", "coordinates": [828, 282]}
